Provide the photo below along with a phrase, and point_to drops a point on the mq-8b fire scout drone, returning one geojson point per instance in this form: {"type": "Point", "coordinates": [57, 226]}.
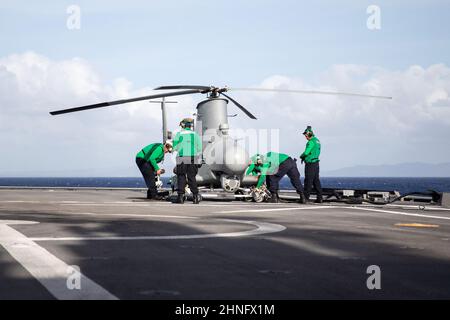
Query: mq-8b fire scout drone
{"type": "Point", "coordinates": [224, 161]}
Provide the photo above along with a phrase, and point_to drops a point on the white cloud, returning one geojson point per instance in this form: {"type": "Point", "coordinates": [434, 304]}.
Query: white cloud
{"type": "Point", "coordinates": [95, 142]}
{"type": "Point", "coordinates": [413, 126]}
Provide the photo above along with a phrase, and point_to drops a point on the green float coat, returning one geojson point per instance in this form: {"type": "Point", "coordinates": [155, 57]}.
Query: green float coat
{"type": "Point", "coordinates": [271, 162]}
{"type": "Point", "coordinates": [187, 143]}
{"type": "Point", "coordinates": [153, 153]}
{"type": "Point", "coordinates": [312, 151]}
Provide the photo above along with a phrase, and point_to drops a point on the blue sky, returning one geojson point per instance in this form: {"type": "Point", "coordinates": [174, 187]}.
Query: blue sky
{"type": "Point", "coordinates": [124, 49]}
{"type": "Point", "coordinates": [228, 42]}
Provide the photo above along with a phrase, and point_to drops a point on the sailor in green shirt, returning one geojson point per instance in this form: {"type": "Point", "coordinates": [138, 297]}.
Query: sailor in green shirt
{"type": "Point", "coordinates": [147, 161]}
{"type": "Point", "coordinates": [311, 158]}
{"type": "Point", "coordinates": [272, 167]}
{"type": "Point", "coordinates": [188, 145]}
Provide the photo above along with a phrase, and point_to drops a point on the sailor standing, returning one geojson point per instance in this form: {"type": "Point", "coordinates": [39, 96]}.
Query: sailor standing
{"type": "Point", "coordinates": [188, 145]}
{"type": "Point", "coordinates": [311, 158]}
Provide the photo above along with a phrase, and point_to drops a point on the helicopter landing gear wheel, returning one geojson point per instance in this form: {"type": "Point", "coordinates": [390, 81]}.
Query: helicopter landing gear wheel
{"type": "Point", "coordinates": [248, 199]}
{"type": "Point", "coordinates": [260, 195]}
{"type": "Point", "coordinates": [244, 198]}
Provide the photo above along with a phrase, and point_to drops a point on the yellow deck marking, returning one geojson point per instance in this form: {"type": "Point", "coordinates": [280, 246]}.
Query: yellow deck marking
{"type": "Point", "coordinates": [417, 225]}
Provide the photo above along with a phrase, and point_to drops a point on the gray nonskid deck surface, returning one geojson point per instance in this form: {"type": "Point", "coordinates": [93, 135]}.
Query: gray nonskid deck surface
{"type": "Point", "coordinates": [128, 248]}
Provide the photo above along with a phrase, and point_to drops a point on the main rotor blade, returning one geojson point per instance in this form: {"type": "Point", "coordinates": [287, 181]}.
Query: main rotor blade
{"type": "Point", "coordinates": [311, 92]}
{"type": "Point", "coordinates": [113, 103]}
{"type": "Point", "coordinates": [239, 106]}
{"type": "Point", "coordinates": [203, 88]}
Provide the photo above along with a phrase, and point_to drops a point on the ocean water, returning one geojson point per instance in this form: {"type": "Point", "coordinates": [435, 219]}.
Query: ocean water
{"type": "Point", "coordinates": [403, 185]}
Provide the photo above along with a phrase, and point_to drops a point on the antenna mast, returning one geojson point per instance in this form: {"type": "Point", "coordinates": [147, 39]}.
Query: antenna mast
{"type": "Point", "coordinates": [164, 117]}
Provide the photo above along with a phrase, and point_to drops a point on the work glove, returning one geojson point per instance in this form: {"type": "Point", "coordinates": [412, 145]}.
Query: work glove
{"type": "Point", "coordinates": [303, 159]}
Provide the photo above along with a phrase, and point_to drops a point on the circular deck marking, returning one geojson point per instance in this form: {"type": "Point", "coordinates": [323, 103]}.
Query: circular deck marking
{"type": "Point", "coordinates": [49, 270]}
{"type": "Point", "coordinates": [261, 228]}
{"type": "Point", "coordinates": [272, 209]}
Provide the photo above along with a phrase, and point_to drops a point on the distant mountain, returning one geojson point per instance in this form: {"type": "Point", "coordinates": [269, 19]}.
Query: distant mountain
{"type": "Point", "coordinates": [416, 169]}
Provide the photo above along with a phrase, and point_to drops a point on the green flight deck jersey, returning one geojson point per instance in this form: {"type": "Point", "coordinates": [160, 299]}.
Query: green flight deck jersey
{"type": "Point", "coordinates": [153, 153]}
{"type": "Point", "coordinates": [187, 143]}
{"type": "Point", "coordinates": [312, 151]}
{"type": "Point", "coordinates": [271, 162]}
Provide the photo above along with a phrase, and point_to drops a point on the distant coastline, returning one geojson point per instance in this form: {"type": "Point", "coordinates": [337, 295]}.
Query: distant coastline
{"type": "Point", "coordinates": [401, 170]}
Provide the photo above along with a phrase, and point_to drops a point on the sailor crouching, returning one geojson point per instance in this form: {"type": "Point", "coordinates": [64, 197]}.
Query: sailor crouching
{"type": "Point", "coordinates": [147, 161]}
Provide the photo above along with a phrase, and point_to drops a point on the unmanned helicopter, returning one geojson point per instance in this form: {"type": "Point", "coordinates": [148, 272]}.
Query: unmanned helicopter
{"type": "Point", "coordinates": [224, 160]}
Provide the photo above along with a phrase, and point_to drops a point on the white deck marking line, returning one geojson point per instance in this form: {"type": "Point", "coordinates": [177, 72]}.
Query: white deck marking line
{"type": "Point", "coordinates": [142, 203]}
{"type": "Point", "coordinates": [19, 201]}
{"type": "Point", "coordinates": [409, 207]}
{"type": "Point", "coordinates": [416, 207]}
{"type": "Point", "coordinates": [262, 228]}
{"type": "Point", "coordinates": [127, 215]}
{"type": "Point", "coordinates": [271, 209]}
{"type": "Point", "coordinates": [50, 271]}
{"type": "Point", "coordinates": [153, 204]}
{"type": "Point", "coordinates": [432, 209]}
{"type": "Point", "coordinates": [400, 213]}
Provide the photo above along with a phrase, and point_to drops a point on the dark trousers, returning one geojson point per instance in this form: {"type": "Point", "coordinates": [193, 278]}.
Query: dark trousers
{"type": "Point", "coordinates": [187, 171]}
{"type": "Point", "coordinates": [312, 179]}
{"type": "Point", "coordinates": [148, 172]}
{"type": "Point", "coordinates": [289, 168]}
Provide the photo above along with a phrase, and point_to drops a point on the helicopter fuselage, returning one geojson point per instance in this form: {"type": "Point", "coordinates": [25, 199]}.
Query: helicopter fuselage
{"type": "Point", "coordinates": [225, 161]}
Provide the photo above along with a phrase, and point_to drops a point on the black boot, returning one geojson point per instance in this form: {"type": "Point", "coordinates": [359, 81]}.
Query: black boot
{"type": "Point", "coordinates": [196, 199]}
{"type": "Point", "coordinates": [302, 199]}
{"type": "Point", "coordinates": [319, 199]}
{"type": "Point", "coordinates": [180, 198]}
{"type": "Point", "coordinates": [158, 198]}
{"type": "Point", "coordinates": [154, 196]}
{"type": "Point", "coordinates": [274, 198]}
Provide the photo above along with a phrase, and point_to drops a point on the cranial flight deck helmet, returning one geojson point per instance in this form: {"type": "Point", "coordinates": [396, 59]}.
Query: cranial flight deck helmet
{"type": "Point", "coordinates": [169, 145]}
{"type": "Point", "coordinates": [187, 123]}
{"type": "Point", "coordinates": [259, 159]}
{"type": "Point", "coordinates": [308, 131]}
